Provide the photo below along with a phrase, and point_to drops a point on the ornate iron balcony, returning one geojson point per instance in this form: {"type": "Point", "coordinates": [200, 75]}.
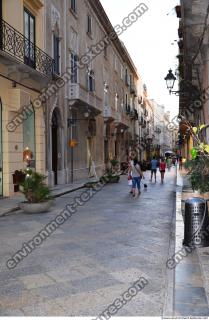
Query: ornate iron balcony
{"type": "Point", "coordinates": [18, 46]}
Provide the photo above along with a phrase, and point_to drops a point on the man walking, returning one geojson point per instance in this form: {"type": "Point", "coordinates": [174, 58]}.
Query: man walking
{"type": "Point", "coordinates": [154, 164]}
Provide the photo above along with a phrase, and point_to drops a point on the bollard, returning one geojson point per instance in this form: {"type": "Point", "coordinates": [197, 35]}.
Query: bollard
{"type": "Point", "coordinates": [196, 223]}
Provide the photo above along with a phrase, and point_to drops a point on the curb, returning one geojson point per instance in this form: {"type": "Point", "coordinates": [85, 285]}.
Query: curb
{"type": "Point", "coordinates": [16, 208]}
{"type": "Point", "coordinates": [180, 188]}
{"type": "Point", "coordinates": [8, 211]}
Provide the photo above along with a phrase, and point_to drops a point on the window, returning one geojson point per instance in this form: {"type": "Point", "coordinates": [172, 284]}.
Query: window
{"type": "Point", "coordinates": [56, 53]}
{"type": "Point", "coordinates": [131, 79]}
{"type": "Point", "coordinates": [126, 77]}
{"type": "Point", "coordinates": [73, 6]}
{"type": "Point", "coordinates": [29, 32]}
{"type": "Point", "coordinates": [116, 102]}
{"type": "Point", "coordinates": [126, 100]}
{"type": "Point", "coordinates": [131, 103]}
{"type": "Point", "coordinates": [89, 24]}
{"type": "Point", "coordinates": [116, 63]}
{"type": "Point", "coordinates": [90, 81]}
{"type": "Point", "coordinates": [106, 95]}
{"type": "Point", "coordinates": [29, 136]}
{"type": "Point", "coordinates": [74, 68]}
{"type": "Point", "coordinates": [121, 71]}
{"type": "Point", "coordinates": [105, 50]}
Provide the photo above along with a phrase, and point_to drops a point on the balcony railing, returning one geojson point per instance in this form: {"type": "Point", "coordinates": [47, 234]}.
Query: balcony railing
{"type": "Point", "coordinates": [78, 93]}
{"type": "Point", "coordinates": [19, 47]}
{"type": "Point", "coordinates": [133, 90]}
{"type": "Point", "coordinates": [142, 122]}
{"type": "Point", "coordinates": [134, 114]}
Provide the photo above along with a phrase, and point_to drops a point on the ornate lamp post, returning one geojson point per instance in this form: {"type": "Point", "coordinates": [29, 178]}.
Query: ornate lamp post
{"type": "Point", "coordinates": [170, 80]}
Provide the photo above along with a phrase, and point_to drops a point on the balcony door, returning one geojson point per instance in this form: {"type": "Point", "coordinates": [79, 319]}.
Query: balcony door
{"type": "Point", "coordinates": [1, 153]}
{"type": "Point", "coordinates": [29, 32]}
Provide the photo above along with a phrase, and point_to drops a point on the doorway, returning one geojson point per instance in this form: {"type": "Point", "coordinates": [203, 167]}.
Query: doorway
{"type": "Point", "coordinates": [106, 151]}
{"type": "Point", "coordinates": [55, 145]}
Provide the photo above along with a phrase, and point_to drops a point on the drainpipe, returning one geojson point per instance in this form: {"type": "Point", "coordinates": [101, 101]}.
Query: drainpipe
{"type": "Point", "coordinates": [65, 95]}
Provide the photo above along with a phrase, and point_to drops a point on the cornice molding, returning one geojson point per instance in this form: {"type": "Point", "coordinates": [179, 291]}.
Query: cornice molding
{"type": "Point", "coordinates": [36, 4]}
{"type": "Point", "coordinates": [108, 27]}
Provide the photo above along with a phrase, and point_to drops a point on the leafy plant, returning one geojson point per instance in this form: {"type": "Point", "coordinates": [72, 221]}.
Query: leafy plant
{"type": "Point", "coordinates": [34, 187]}
{"type": "Point", "coordinates": [114, 162]}
{"type": "Point", "coordinates": [112, 173]}
{"type": "Point", "coordinates": [199, 165]}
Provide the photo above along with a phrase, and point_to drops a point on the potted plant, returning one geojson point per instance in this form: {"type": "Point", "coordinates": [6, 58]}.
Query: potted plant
{"type": "Point", "coordinates": [112, 174]}
{"type": "Point", "coordinates": [198, 166]}
{"type": "Point", "coordinates": [37, 193]}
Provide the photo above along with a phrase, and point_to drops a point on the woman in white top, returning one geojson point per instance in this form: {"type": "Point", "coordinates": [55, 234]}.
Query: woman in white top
{"type": "Point", "coordinates": [137, 175]}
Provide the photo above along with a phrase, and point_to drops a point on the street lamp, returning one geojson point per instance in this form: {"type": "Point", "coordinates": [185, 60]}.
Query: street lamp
{"type": "Point", "coordinates": [170, 80]}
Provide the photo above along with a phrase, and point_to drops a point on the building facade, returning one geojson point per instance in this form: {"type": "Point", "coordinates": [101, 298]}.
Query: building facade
{"type": "Point", "coordinates": [70, 100]}
{"type": "Point", "coordinates": [97, 109]}
{"type": "Point", "coordinates": [193, 69]}
{"type": "Point", "coordinates": [25, 69]}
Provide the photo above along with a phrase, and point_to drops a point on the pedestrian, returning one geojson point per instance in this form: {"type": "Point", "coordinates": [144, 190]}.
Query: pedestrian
{"type": "Point", "coordinates": [154, 164]}
{"type": "Point", "coordinates": [130, 183]}
{"type": "Point", "coordinates": [162, 169]}
{"type": "Point", "coordinates": [137, 175]}
{"type": "Point", "coordinates": [180, 163]}
{"type": "Point", "coordinates": [174, 161]}
{"type": "Point", "coordinates": [168, 163]}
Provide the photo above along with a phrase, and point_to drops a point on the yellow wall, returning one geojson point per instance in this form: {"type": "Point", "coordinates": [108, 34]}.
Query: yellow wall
{"type": "Point", "coordinates": [13, 141]}
{"type": "Point", "coordinates": [13, 14]}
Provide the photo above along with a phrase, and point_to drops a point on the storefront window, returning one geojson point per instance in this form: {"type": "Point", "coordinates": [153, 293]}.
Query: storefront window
{"type": "Point", "coordinates": [29, 137]}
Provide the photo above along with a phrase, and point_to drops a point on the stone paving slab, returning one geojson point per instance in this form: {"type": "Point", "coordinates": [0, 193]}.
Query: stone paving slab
{"type": "Point", "coordinates": [92, 259]}
{"type": "Point", "coordinates": [203, 254]}
{"type": "Point", "coordinates": [190, 295]}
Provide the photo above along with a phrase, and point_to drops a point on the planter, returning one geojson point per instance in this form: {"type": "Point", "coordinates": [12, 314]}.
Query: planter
{"type": "Point", "coordinates": [36, 207]}
{"type": "Point", "coordinates": [112, 179]}
{"type": "Point", "coordinates": [91, 184]}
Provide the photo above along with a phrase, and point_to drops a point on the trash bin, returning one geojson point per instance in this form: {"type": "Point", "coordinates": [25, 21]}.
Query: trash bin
{"type": "Point", "coordinates": [196, 223]}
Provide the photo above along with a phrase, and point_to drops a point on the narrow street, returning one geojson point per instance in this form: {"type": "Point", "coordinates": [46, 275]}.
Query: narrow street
{"type": "Point", "coordinates": [94, 257]}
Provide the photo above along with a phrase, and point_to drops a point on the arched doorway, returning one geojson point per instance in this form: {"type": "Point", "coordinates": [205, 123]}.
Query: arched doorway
{"type": "Point", "coordinates": [55, 126]}
{"type": "Point", "coordinates": [1, 153]}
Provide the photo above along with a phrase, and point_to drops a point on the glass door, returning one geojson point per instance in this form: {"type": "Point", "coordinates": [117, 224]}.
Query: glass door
{"type": "Point", "coordinates": [1, 153]}
{"type": "Point", "coordinates": [29, 33]}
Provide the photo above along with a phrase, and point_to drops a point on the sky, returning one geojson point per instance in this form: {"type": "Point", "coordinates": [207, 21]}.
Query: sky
{"type": "Point", "coordinates": [149, 42]}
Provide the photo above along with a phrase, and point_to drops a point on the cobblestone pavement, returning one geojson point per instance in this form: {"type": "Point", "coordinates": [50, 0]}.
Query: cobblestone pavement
{"type": "Point", "coordinates": [94, 257]}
